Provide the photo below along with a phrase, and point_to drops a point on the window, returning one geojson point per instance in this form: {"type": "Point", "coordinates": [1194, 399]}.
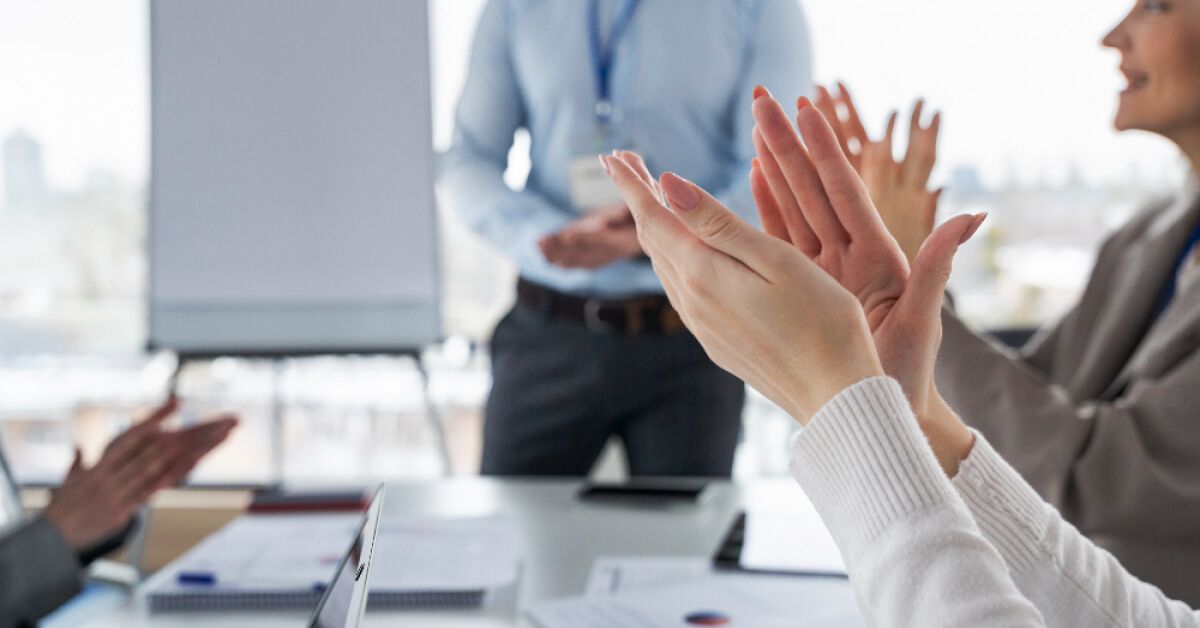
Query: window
{"type": "Point", "coordinates": [1027, 95]}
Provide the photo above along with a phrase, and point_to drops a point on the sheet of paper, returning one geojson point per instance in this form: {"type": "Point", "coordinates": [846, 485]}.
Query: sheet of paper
{"type": "Point", "coordinates": [616, 574]}
{"type": "Point", "coordinates": [732, 601]}
{"type": "Point", "coordinates": [447, 554]}
{"type": "Point", "coordinates": [791, 540]}
{"type": "Point", "coordinates": [281, 552]}
{"type": "Point", "coordinates": [270, 552]}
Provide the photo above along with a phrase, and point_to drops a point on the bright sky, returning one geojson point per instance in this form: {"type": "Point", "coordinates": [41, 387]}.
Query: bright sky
{"type": "Point", "coordinates": [1024, 84]}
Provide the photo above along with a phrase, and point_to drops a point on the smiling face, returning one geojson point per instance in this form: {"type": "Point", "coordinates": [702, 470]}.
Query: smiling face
{"type": "Point", "coordinates": [1159, 42]}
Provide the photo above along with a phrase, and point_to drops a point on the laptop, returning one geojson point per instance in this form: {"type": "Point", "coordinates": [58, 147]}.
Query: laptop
{"type": "Point", "coordinates": [345, 599]}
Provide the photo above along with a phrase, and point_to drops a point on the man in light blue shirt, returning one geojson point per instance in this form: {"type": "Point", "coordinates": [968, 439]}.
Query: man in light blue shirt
{"type": "Point", "coordinates": [592, 349]}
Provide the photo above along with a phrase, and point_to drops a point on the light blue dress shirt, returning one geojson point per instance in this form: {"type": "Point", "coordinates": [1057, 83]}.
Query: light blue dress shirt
{"type": "Point", "coordinates": [681, 87]}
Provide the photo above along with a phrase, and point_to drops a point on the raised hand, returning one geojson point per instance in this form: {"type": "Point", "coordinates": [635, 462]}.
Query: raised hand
{"type": "Point", "coordinates": [94, 503]}
{"type": "Point", "coordinates": [899, 189]}
{"type": "Point", "coordinates": [810, 196]}
{"type": "Point", "coordinates": [762, 310]}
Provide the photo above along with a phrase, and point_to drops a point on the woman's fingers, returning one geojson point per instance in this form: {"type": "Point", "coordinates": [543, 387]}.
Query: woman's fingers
{"type": "Point", "coordinates": [768, 208]}
{"type": "Point", "coordinates": [635, 161]}
{"type": "Point", "coordinates": [932, 265]}
{"type": "Point", "coordinates": [828, 107]}
{"type": "Point", "coordinates": [853, 124]}
{"type": "Point", "coordinates": [922, 150]}
{"type": "Point", "coordinates": [798, 176]}
{"type": "Point", "coordinates": [659, 231]}
{"type": "Point", "coordinates": [845, 189]}
{"type": "Point", "coordinates": [716, 226]}
{"type": "Point", "coordinates": [799, 232]}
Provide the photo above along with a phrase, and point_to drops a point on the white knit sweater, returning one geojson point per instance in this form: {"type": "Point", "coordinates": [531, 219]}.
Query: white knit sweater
{"type": "Point", "coordinates": [983, 550]}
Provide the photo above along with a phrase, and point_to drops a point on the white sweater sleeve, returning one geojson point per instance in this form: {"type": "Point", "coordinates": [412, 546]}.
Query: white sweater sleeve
{"type": "Point", "coordinates": [914, 553]}
{"type": "Point", "coordinates": [1070, 580]}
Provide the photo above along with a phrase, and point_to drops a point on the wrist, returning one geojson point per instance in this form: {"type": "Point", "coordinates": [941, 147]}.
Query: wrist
{"type": "Point", "coordinates": [948, 436]}
{"type": "Point", "coordinates": [817, 390]}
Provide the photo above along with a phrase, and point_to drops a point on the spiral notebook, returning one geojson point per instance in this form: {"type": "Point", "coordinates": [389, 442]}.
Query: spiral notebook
{"type": "Point", "coordinates": [283, 562]}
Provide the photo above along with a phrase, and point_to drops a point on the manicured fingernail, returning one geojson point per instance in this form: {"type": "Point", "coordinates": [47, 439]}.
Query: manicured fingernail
{"type": "Point", "coordinates": [979, 218]}
{"type": "Point", "coordinates": [604, 162]}
{"type": "Point", "coordinates": [760, 91]}
{"type": "Point", "coordinates": [803, 102]}
{"type": "Point", "coordinates": [681, 193]}
{"type": "Point", "coordinates": [755, 164]}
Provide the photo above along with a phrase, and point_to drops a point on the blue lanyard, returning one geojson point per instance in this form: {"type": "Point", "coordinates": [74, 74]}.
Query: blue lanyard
{"type": "Point", "coordinates": [602, 56]}
{"type": "Point", "coordinates": [1169, 290]}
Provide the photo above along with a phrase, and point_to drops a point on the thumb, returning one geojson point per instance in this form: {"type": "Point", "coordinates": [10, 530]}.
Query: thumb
{"type": "Point", "coordinates": [716, 225]}
{"type": "Point", "coordinates": [931, 267]}
{"type": "Point", "coordinates": [76, 464]}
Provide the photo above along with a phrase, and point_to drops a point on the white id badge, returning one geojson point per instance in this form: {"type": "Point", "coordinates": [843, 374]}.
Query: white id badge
{"type": "Point", "coordinates": [590, 186]}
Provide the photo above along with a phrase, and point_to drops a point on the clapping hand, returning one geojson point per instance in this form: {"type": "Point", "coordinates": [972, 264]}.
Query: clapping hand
{"type": "Point", "coordinates": [809, 195]}
{"type": "Point", "coordinates": [899, 189]}
{"type": "Point", "coordinates": [94, 503]}
{"type": "Point", "coordinates": [826, 299]}
{"type": "Point", "coordinates": [762, 310]}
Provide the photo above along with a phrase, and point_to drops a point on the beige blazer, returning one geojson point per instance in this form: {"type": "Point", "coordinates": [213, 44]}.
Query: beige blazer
{"type": "Point", "coordinates": [1101, 412]}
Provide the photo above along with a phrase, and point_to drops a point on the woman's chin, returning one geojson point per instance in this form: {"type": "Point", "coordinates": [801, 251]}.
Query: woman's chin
{"type": "Point", "coordinates": [1126, 120]}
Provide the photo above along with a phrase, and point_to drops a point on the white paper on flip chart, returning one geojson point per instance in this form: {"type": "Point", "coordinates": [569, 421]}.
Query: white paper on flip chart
{"type": "Point", "coordinates": [790, 540]}
{"type": "Point", "coordinates": [745, 600]}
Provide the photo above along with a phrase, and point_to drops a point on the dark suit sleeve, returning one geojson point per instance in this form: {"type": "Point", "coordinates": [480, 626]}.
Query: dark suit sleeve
{"type": "Point", "coordinates": [38, 573]}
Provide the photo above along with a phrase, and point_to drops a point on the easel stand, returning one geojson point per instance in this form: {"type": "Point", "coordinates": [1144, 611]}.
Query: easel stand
{"type": "Point", "coordinates": [137, 542]}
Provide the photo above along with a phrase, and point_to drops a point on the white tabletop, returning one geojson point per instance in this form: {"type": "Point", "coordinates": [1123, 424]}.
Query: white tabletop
{"type": "Point", "coordinates": [562, 536]}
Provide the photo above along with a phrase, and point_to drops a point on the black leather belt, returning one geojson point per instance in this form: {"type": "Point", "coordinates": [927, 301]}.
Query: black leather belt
{"type": "Point", "coordinates": [636, 316]}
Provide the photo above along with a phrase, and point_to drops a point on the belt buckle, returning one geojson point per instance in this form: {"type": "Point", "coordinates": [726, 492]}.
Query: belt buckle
{"type": "Point", "coordinates": [592, 320]}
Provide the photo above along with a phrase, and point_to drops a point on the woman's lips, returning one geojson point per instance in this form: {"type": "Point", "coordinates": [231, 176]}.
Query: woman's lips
{"type": "Point", "coordinates": [1136, 80]}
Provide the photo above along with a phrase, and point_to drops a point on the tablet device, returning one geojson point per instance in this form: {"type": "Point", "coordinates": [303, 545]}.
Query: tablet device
{"type": "Point", "coordinates": [345, 599]}
{"type": "Point", "coordinates": [645, 489]}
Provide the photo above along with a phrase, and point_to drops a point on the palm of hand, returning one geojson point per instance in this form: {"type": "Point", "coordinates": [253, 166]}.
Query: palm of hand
{"type": "Point", "coordinates": [810, 195]}
{"type": "Point", "coordinates": [873, 269]}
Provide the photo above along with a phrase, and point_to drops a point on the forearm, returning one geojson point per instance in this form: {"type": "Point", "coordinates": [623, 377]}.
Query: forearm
{"type": "Point", "coordinates": [1069, 579]}
{"type": "Point", "coordinates": [38, 573]}
{"type": "Point", "coordinates": [913, 552]}
{"type": "Point", "coordinates": [472, 185]}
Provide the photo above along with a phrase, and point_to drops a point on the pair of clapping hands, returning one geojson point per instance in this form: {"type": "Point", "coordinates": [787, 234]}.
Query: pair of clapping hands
{"type": "Point", "coordinates": [826, 297]}
{"type": "Point", "coordinates": [94, 503]}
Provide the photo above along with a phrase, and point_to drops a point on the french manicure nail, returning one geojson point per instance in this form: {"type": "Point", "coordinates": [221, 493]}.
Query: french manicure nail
{"type": "Point", "coordinates": [681, 194]}
{"type": "Point", "coordinates": [604, 162]}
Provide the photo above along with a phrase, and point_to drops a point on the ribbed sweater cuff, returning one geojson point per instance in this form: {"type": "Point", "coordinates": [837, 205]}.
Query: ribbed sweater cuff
{"type": "Point", "coordinates": [865, 464]}
{"type": "Point", "coordinates": [1011, 515]}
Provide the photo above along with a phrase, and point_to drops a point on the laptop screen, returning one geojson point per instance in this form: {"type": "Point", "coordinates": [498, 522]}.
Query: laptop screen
{"type": "Point", "coordinates": [345, 599]}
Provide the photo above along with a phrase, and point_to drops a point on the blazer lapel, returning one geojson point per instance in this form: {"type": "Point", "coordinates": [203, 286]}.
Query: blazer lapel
{"type": "Point", "coordinates": [1156, 349]}
{"type": "Point", "coordinates": [1124, 313]}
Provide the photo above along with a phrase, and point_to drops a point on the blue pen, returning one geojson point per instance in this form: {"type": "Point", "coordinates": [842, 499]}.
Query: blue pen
{"type": "Point", "coordinates": [197, 577]}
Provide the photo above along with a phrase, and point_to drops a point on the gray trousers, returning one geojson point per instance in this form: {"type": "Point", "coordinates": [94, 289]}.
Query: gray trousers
{"type": "Point", "coordinates": [560, 391]}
